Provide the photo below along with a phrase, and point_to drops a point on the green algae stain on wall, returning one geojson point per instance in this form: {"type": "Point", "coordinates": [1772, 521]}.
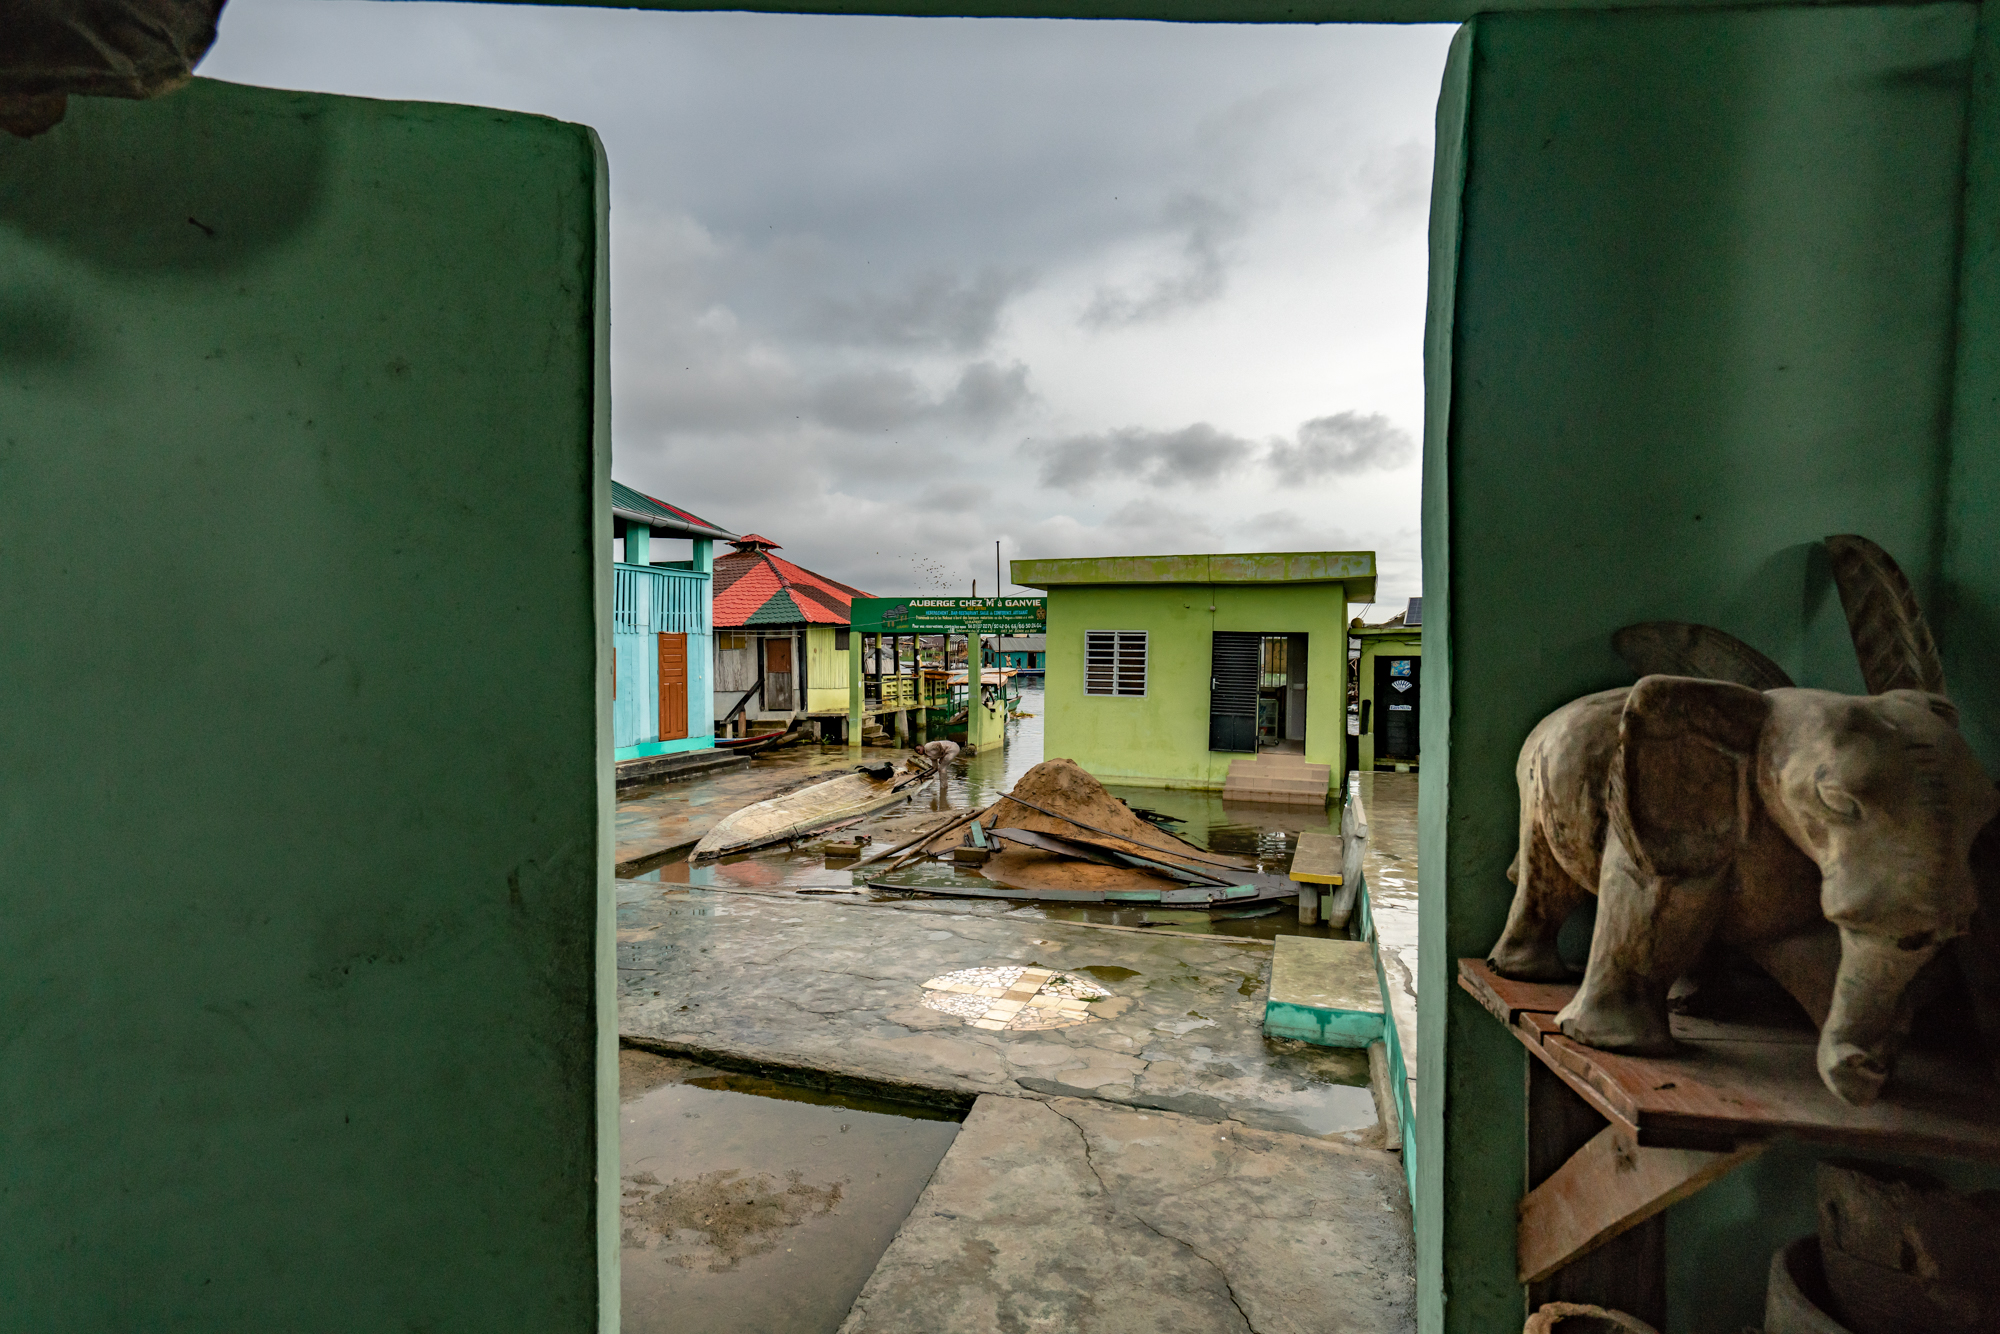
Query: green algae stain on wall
{"type": "Point", "coordinates": [298, 554]}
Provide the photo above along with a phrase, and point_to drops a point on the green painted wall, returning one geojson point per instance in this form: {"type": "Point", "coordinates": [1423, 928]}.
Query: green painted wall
{"type": "Point", "coordinates": [1161, 739]}
{"type": "Point", "coordinates": [1692, 308]}
{"type": "Point", "coordinates": [1355, 569]}
{"type": "Point", "coordinates": [1376, 644]}
{"type": "Point", "coordinates": [305, 893]}
{"type": "Point", "coordinates": [985, 722]}
{"type": "Point", "coordinates": [1967, 604]}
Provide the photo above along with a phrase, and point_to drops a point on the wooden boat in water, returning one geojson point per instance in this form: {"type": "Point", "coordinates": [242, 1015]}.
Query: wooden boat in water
{"type": "Point", "coordinates": [743, 742]}
{"type": "Point", "coordinates": [760, 743]}
{"type": "Point", "coordinates": [869, 788]}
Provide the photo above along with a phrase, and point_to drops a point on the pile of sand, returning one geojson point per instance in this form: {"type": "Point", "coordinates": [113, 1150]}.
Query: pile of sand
{"type": "Point", "coordinates": [1058, 797]}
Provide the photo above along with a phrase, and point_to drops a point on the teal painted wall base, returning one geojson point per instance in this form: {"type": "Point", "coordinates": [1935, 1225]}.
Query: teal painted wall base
{"type": "Point", "coordinates": [1321, 1027]}
{"type": "Point", "coordinates": [1400, 1061]}
{"type": "Point", "coordinates": [648, 748]}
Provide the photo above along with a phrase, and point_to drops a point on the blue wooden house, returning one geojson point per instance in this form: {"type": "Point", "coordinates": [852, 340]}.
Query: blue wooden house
{"type": "Point", "coordinates": [662, 635]}
{"type": "Point", "coordinates": [1026, 654]}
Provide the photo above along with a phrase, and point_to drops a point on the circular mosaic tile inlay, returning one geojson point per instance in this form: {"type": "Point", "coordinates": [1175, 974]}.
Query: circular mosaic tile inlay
{"type": "Point", "coordinates": [1013, 998]}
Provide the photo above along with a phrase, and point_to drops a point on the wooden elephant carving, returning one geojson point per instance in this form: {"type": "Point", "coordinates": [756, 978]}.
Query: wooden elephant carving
{"type": "Point", "coordinates": [1827, 836]}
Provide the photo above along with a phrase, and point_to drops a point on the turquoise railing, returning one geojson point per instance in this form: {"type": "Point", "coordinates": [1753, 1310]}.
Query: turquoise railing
{"type": "Point", "coordinates": [650, 599]}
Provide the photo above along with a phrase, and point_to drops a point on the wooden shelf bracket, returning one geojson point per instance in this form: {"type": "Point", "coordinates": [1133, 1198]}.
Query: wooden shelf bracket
{"type": "Point", "coordinates": [1610, 1186]}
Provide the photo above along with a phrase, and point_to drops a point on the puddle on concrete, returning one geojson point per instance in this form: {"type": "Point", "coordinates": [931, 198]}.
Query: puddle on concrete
{"type": "Point", "coordinates": [1106, 972]}
{"type": "Point", "coordinates": [1333, 1094]}
{"type": "Point", "coordinates": [752, 1205]}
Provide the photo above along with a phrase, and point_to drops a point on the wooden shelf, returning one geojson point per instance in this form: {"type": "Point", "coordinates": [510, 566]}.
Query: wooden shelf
{"type": "Point", "coordinates": [1734, 1083]}
{"type": "Point", "coordinates": [1615, 1140]}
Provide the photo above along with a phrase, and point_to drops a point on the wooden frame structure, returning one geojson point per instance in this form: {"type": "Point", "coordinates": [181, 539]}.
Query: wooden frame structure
{"type": "Point", "coordinates": [1614, 1141]}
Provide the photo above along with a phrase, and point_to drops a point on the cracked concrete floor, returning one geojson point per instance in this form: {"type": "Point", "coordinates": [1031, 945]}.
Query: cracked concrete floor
{"type": "Point", "coordinates": [804, 982]}
{"type": "Point", "coordinates": [1162, 1167]}
{"type": "Point", "coordinates": [1074, 1216]}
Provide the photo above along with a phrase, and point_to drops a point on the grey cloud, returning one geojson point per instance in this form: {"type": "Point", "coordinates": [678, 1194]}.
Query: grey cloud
{"type": "Point", "coordinates": [1210, 225]}
{"type": "Point", "coordinates": [867, 400]}
{"type": "Point", "coordinates": [884, 400]}
{"type": "Point", "coordinates": [955, 497]}
{"type": "Point", "coordinates": [986, 394]}
{"type": "Point", "coordinates": [819, 298]}
{"type": "Point", "coordinates": [1144, 525]}
{"type": "Point", "coordinates": [722, 383]}
{"type": "Point", "coordinates": [932, 311]}
{"type": "Point", "coordinates": [1341, 445]}
{"type": "Point", "coordinates": [1197, 453]}
{"type": "Point", "coordinates": [1397, 181]}
{"type": "Point", "coordinates": [1288, 530]}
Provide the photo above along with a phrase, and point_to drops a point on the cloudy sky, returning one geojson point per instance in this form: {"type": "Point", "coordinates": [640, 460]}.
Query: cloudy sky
{"type": "Point", "coordinates": [887, 290]}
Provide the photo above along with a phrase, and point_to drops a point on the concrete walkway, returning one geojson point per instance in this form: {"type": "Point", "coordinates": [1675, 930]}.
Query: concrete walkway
{"type": "Point", "coordinates": [799, 981]}
{"type": "Point", "coordinates": [1077, 1217]}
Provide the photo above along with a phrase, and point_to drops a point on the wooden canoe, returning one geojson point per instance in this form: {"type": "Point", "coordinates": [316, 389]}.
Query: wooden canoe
{"type": "Point", "coordinates": [738, 742]}
{"type": "Point", "coordinates": [782, 818]}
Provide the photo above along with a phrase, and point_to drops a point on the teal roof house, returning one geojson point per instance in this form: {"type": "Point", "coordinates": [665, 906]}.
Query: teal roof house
{"type": "Point", "coordinates": [662, 631]}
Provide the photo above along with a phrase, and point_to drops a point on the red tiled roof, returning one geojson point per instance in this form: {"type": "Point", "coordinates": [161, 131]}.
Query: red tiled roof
{"type": "Point", "coordinates": [753, 587]}
{"type": "Point", "coordinates": [749, 540]}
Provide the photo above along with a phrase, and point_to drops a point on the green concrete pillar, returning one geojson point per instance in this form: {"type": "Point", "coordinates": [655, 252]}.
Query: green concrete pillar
{"type": "Point", "coordinates": [704, 556]}
{"type": "Point", "coordinates": [638, 544]}
{"type": "Point", "coordinates": [984, 726]}
{"type": "Point", "coordinates": [854, 688]}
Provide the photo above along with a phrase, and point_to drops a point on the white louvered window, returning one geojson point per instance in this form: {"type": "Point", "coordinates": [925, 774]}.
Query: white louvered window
{"type": "Point", "coordinates": [1114, 662]}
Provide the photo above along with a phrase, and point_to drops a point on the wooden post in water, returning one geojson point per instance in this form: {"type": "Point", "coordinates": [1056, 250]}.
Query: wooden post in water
{"type": "Point", "coordinates": [853, 687]}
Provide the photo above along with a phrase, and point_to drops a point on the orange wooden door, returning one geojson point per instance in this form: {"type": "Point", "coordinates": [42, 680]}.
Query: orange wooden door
{"type": "Point", "coordinates": [673, 687]}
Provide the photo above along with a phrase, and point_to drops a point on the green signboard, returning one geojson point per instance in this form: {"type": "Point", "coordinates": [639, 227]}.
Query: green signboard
{"type": "Point", "coordinates": [958, 616]}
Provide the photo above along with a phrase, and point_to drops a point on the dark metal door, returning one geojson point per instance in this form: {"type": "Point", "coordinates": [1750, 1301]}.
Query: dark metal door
{"type": "Point", "coordinates": [1398, 706]}
{"type": "Point", "coordinates": [1232, 691]}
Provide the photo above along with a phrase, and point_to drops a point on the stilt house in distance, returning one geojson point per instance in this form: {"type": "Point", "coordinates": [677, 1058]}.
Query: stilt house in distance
{"type": "Point", "coordinates": [781, 642]}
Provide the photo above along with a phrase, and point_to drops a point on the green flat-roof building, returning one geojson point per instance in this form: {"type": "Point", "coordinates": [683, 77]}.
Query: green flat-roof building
{"type": "Point", "coordinates": [1389, 678]}
{"type": "Point", "coordinates": [1167, 670]}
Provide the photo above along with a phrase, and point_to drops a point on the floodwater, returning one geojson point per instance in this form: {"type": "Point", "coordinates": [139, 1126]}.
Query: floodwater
{"type": "Point", "coordinates": [1269, 834]}
{"type": "Point", "coordinates": [992, 773]}
{"type": "Point", "coordinates": [752, 1206]}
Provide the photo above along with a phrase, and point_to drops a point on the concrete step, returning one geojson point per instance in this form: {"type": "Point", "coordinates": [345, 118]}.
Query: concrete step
{"type": "Point", "coordinates": [1273, 761]}
{"type": "Point", "coordinates": [1309, 773]}
{"type": "Point", "coordinates": [1302, 799]}
{"type": "Point", "coordinates": [1323, 992]}
{"type": "Point", "coordinates": [1276, 799]}
{"type": "Point", "coordinates": [1304, 786]}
